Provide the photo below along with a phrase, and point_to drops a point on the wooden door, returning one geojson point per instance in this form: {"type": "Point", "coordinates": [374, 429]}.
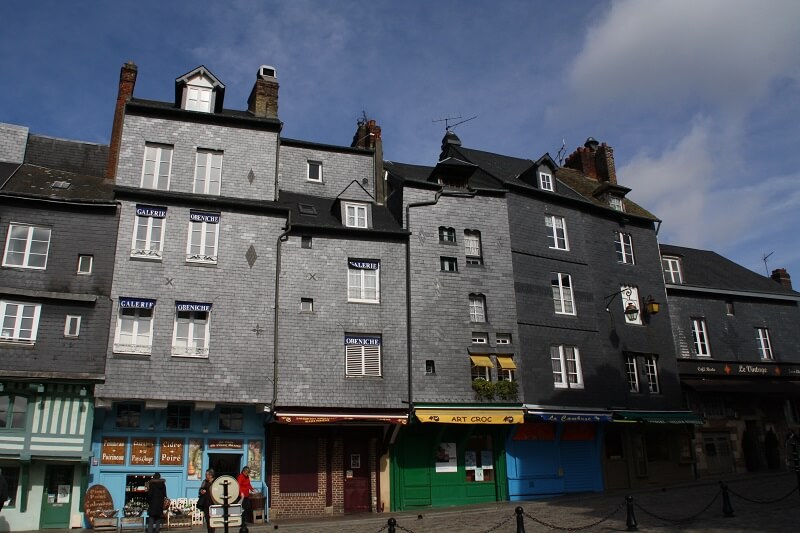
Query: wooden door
{"type": "Point", "coordinates": [57, 497]}
{"type": "Point", "coordinates": [356, 476]}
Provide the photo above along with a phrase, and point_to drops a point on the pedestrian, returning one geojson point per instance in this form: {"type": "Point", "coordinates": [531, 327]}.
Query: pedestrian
{"type": "Point", "coordinates": [245, 489]}
{"type": "Point", "coordinates": [156, 495]}
{"type": "Point", "coordinates": [3, 490]}
{"type": "Point", "coordinates": [204, 500]}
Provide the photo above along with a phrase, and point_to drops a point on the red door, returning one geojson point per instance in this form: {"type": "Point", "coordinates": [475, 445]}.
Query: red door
{"type": "Point", "coordinates": [356, 476]}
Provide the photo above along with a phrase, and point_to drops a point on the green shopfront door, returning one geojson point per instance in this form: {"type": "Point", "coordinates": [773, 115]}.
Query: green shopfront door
{"type": "Point", "coordinates": [57, 496]}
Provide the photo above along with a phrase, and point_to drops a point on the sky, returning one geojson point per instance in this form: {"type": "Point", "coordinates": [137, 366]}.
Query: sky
{"type": "Point", "coordinates": [700, 99]}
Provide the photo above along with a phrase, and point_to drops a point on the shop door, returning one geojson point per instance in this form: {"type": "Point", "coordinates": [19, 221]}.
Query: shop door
{"type": "Point", "coordinates": [225, 464]}
{"type": "Point", "coordinates": [718, 453]}
{"type": "Point", "coordinates": [56, 497]}
{"type": "Point", "coordinates": [356, 476]}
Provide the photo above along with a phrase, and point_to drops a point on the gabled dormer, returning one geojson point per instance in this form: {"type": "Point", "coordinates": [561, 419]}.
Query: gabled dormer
{"type": "Point", "coordinates": [354, 206]}
{"type": "Point", "coordinates": [452, 173]}
{"type": "Point", "coordinates": [541, 174]}
{"type": "Point", "coordinates": [199, 90]}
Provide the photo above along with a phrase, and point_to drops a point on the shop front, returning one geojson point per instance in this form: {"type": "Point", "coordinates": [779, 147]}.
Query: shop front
{"type": "Point", "coordinates": [225, 438]}
{"type": "Point", "coordinates": [556, 452]}
{"type": "Point", "coordinates": [452, 455]}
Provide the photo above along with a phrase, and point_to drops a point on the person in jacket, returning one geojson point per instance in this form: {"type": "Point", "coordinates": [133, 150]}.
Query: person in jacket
{"type": "Point", "coordinates": [245, 490]}
{"type": "Point", "coordinates": [204, 500]}
{"type": "Point", "coordinates": [156, 494]}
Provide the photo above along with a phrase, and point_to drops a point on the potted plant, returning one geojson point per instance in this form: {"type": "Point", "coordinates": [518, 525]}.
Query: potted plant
{"type": "Point", "coordinates": [506, 390]}
{"type": "Point", "coordinates": [484, 389]}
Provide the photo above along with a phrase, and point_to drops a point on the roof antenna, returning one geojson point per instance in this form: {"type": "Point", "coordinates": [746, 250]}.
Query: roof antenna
{"type": "Point", "coordinates": [448, 126]}
{"type": "Point", "coordinates": [766, 256]}
{"type": "Point", "coordinates": [560, 154]}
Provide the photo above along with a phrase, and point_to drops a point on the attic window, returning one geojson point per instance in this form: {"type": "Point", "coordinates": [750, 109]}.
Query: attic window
{"type": "Point", "coordinates": [60, 184]}
{"type": "Point", "coordinates": [615, 202]}
{"type": "Point", "coordinates": [307, 209]}
{"type": "Point", "coordinates": [545, 181]}
{"type": "Point", "coordinates": [198, 98]}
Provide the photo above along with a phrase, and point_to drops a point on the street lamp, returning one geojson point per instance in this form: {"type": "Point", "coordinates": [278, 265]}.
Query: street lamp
{"type": "Point", "coordinates": [631, 311]}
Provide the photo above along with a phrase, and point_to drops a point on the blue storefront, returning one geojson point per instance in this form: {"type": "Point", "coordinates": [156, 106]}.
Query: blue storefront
{"type": "Point", "coordinates": [556, 452]}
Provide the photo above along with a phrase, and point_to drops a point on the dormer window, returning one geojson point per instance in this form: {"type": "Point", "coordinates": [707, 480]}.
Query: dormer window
{"type": "Point", "coordinates": [199, 90]}
{"type": "Point", "coordinates": [355, 215]}
{"type": "Point", "coordinates": [615, 203]}
{"type": "Point", "coordinates": [198, 98]}
{"type": "Point", "coordinates": [545, 181]}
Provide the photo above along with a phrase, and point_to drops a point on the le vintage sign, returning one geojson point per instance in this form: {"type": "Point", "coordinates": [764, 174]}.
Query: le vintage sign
{"type": "Point", "coordinates": [723, 369]}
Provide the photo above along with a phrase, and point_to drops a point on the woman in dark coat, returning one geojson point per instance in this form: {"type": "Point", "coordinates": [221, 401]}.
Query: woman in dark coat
{"type": "Point", "coordinates": [156, 492]}
{"type": "Point", "coordinates": [204, 500]}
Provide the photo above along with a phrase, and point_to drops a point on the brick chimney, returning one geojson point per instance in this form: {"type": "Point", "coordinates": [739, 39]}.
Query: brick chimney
{"type": "Point", "coordinates": [127, 80]}
{"type": "Point", "coordinates": [368, 137]}
{"type": "Point", "coordinates": [781, 276]}
{"type": "Point", "coordinates": [263, 100]}
{"type": "Point", "coordinates": [595, 160]}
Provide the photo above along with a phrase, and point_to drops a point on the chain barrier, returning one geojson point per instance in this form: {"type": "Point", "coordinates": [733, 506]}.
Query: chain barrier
{"type": "Point", "coordinates": [575, 528]}
{"type": "Point", "coordinates": [745, 498]}
{"type": "Point", "coordinates": [501, 524]}
{"type": "Point", "coordinates": [678, 520]}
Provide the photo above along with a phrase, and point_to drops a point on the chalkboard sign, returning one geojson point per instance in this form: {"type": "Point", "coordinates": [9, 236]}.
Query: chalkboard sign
{"type": "Point", "coordinates": [143, 451]}
{"type": "Point", "coordinates": [171, 452]}
{"type": "Point", "coordinates": [113, 451]}
{"type": "Point", "coordinates": [98, 503]}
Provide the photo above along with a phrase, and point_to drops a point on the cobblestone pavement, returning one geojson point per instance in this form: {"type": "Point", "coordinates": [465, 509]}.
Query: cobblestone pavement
{"type": "Point", "coordinates": [762, 503]}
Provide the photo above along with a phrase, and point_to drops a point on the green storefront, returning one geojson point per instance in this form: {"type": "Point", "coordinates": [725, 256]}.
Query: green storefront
{"type": "Point", "coordinates": [451, 455]}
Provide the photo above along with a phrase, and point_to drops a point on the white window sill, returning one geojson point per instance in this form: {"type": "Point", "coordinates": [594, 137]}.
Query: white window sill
{"type": "Point", "coordinates": [202, 259]}
{"type": "Point", "coordinates": [364, 301]}
{"type": "Point", "coordinates": [133, 349]}
{"type": "Point", "coordinates": [149, 255]}
{"type": "Point", "coordinates": [195, 353]}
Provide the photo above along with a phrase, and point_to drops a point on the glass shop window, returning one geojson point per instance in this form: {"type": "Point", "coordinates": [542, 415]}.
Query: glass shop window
{"type": "Point", "coordinates": [479, 459]}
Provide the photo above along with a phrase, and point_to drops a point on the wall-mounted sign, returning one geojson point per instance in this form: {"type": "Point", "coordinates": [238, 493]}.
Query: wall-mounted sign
{"type": "Point", "coordinates": [112, 451]}
{"type": "Point", "coordinates": [446, 457]}
{"type": "Point", "coordinates": [224, 444]}
{"type": "Point", "coordinates": [730, 369]}
{"type": "Point", "coordinates": [171, 452]}
{"type": "Point", "coordinates": [143, 451]}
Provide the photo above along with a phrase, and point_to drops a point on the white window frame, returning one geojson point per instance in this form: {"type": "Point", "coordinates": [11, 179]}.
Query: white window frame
{"type": "Point", "coordinates": [448, 264]}
{"type": "Point", "coordinates": [208, 252]}
{"type": "Point", "coordinates": [623, 244]}
{"type": "Point", "coordinates": [672, 270]}
{"type": "Point", "coordinates": [563, 293]}
{"type": "Point", "coordinates": [208, 172]}
{"type": "Point", "coordinates": [357, 284]}
{"type": "Point", "coordinates": [651, 371]}
{"type": "Point", "coordinates": [557, 224]}
{"type": "Point", "coordinates": [632, 298]}
{"type": "Point", "coordinates": [477, 308]}
{"type": "Point", "coordinates": [359, 217]}
{"type": "Point", "coordinates": [150, 228]}
{"type": "Point", "coordinates": [72, 326]}
{"type": "Point", "coordinates": [545, 181]}
{"type": "Point", "coordinates": [702, 348]}
{"type": "Point", "coordinates": [632, 373]}
{"type": "Point", "coordinates": [764, 344]}
{"type": "Point", "coordinates": [198, 98]}
{"type": "Point", "coordinates": [505, 374]}
{"type": "Point", "coordinates": [480, 372]}
{"type": "Point", "coordinates": [472, 247]}
{"type": "Point", "coordinates": [159, 155]}
{"type": "Point", "coordinates": [195, 342]}
{"type": "Point", "coordinates": [565, 377]}
{"type": "Point", "coordinates": [16, 322]}
{"type": "Point", "coordinates": [363, 360]}
{"type": "Point", "coordinates": [137, 331]}
{"type": "Point", "coordinates": [29, 241]}
{"type": "Point", "coordinates": [503, 339]}
{"type": "Point", "coordinates": [83, 258]}
{"type": "Point", "coordinates": [314, 163]}
{"type": "Point", "coordinates": [615, 203]}
{"type": "Point", "coordinates": [480, 338]}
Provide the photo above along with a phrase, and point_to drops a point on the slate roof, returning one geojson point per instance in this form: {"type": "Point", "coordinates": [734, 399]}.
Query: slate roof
{"type": "Point", "coordinates": [707, 269]}
{"type": "Point", "coordinates": [326, 217]}
{"type": "Point", "coordinates": [141, 104]}
{"type": "Point", "coordinates": [37, 182]}
{"type": "Point", "coordinates": [71, 156]}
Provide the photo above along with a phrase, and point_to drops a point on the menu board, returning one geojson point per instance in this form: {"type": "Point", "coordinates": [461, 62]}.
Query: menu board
{"type": "Point", "coordinates": [98, 503]}
{"type": "Point", "coordinates": [143, 451]}
{"type": "Point", "coordinates": [171, 452]}
{"type": "Point", "coordinates": [113, 451]}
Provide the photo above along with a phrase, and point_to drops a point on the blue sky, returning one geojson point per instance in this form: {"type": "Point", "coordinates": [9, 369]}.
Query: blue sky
{"type": "Point", "coordinates": [700, 98]}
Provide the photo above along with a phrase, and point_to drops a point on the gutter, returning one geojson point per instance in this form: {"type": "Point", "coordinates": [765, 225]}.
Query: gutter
{"type": "Point", "coordinates": [281, 238]}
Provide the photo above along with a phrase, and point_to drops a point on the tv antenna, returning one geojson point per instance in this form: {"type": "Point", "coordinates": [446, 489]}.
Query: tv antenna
{"type": "Point", "coordinates": [764, 258]}
{"type": "Point", "coordinates": [560, 154]}
{"type": "Point", "coordinates": [448, 126]}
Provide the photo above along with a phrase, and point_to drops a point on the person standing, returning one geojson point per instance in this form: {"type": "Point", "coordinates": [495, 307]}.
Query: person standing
{"type": "Point", "coordinates": [245, 489]}
{"type": "Point", "coordinates": [204, 499]}
{"type": "Point", "coordinates": [3, 490]}
{"type": "Point", "coordinates": [156, 494]}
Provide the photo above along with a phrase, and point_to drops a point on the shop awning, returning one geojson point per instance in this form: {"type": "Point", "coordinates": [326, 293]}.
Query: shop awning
{"type": "Point", "coordinates": [658, 417]}
{"type": "Point", "coordinates": [570, 416]}
{"type": "Point", "coordinates": [506, 363]}
{"type": "Point", "coordinates": [470, 416]}
{"type": "Point", "coordinates": [334, 418]}
{"type": "Point", "coordinates": [481, 360]}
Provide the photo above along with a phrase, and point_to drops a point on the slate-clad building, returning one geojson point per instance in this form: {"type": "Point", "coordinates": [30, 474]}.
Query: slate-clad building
{"type": "Point", "coordinates": [738, 349]}
{"type": "Point", "coordinates": [58, 222]}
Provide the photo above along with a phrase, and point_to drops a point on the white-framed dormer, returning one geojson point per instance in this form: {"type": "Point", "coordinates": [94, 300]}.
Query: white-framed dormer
{"type": "Point", "coordinates": [199, 90]}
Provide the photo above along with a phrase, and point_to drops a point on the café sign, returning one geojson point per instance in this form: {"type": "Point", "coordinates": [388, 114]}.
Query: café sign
{"type": "Point", "coordinates": [726, 369]}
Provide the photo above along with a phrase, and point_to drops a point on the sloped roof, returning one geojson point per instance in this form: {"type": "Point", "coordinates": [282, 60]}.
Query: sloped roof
{"type": "Point", "coordinates": [68, 155]}
{"type": "Point", "coordinates": [707, 269]}
{"type": "Point", "coordinates": [32, 181]}
{"type": "Point", "coordinates": [586, 187]}
{"type": "Point", "coordinates": [325, 217]}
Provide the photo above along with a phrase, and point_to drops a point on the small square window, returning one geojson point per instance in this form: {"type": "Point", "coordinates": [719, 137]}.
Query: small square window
{"type": "Point", "coordinates": [72, 327]}
{"type": "Point", "coordinates": [448, 264]}
{"type": "Point", "coordinates": [503, 338]}
{"type": "Point", "coordinates": [447, 235]}
{"type": "Point", "coordinates": [305, 242]}
{"type": "Point", "coordinates": [129, 415]}
{"type": "Point", "coordinates": [615, 203]}
{"type": "Point", "coordinates": [179, 416]}
{"type": "Point", "coordinates": [85, 264]}
{"type": "Point", "coordinates": [545, 181]}
{"type": "Point", "coordinates": [480, 338]}
{"type": "Point", "coordinates": [231, 419]}
{"type": "Point", "coordinates": [315, 171]}
{"type": "Point", "coordinates": [729, 309]}
{"type": "Point", "coordinates": [306, 305]}
{"type": "Point", "coordinates": [430, 367]}
{"type": "Point", "coordinates": [355, 215]}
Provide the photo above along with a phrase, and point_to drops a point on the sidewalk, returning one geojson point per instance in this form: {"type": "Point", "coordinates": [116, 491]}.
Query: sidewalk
{"type": "Point", "coordinates": [656, 510]}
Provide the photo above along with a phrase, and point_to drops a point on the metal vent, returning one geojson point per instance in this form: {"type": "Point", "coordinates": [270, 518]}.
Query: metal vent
{"type": "Point", "coordinates": [60, 184]}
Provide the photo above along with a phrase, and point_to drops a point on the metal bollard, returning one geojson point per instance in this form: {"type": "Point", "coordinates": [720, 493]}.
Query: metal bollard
{"type": "Point", "coordinates": [727, 508]}
{"type": "Point", "coordinates": [631, 520]}
{"type": "Point", "coordinates": [520, 518]}
{"type": "Point", "coordinates": [392, 523]}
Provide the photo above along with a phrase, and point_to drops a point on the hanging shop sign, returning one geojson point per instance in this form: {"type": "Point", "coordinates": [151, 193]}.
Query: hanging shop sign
{"type": "Point", "coordinates": [112, 451]}
{"type": "Point", "coordinates": [171, 452]}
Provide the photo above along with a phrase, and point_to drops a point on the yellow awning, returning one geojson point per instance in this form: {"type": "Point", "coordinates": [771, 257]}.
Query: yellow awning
{"type": "Point", "coordinates": [481, 360]}
{"type": "Point", "coordinates": [471, 416]}
{"type": "Point", "coordinates": [506, 363]}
